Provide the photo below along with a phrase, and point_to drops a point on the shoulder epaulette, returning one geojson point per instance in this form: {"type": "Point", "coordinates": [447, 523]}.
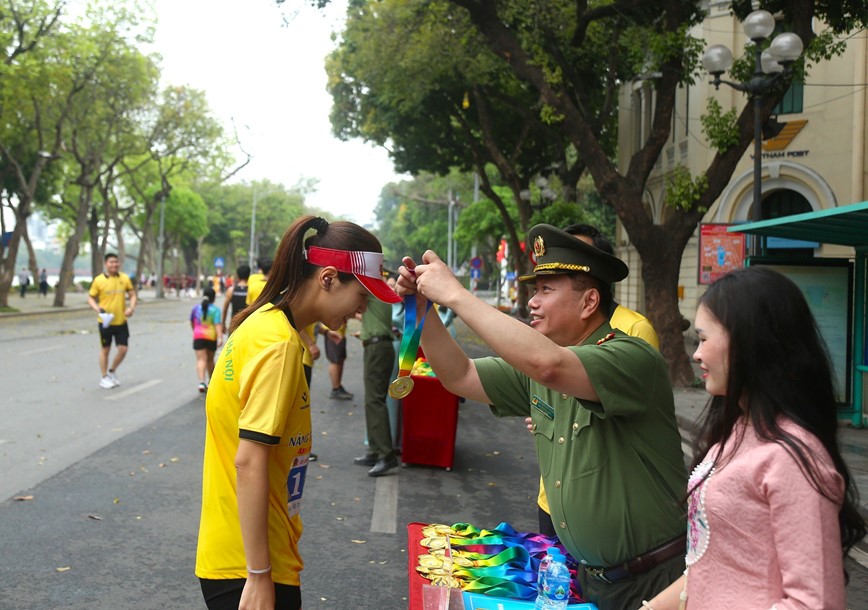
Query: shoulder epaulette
{"type": "Point", "coordinates": [606, 338]}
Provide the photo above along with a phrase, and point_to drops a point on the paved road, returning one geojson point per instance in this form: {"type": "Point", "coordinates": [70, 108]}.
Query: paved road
{"type": "Point", "coordinates": [114, 477]}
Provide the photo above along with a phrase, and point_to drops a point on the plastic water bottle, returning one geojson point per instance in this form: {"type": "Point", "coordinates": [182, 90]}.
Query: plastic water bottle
{"type": "Point", "coordinates": [554, 582]}
{"type": "Point", "coordinates": [543, 566]}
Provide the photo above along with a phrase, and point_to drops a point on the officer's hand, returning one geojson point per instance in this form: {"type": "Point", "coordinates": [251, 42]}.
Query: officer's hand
{"type": "Point", "coordinates": [406, 282]}
{"type": "Point", "coordinates": [436, 281]}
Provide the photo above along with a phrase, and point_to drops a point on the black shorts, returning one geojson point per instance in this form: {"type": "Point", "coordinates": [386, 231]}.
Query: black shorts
{"type": "Point", "coordinates": [336, 352]}
{"type": "Point", "coordinates": [208, 344]}
{"type": "Point", "coordinates": [226, 594]}
{"type": "Point", "coordinates": [121, 334]}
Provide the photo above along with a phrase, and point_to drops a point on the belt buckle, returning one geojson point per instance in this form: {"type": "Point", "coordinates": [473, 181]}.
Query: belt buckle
{"type": "Point", "coordinates": [598, 573]}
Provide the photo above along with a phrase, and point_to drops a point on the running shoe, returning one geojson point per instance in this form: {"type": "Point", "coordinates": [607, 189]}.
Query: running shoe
{"type": "Point", "coordinates": [106, 383]}
{"type": "Point", "coordinates": [113, 379]}
{"type": "Point", "coordinates": [339, 393]}
{"type": "Point", "coordinates": [203, 388]}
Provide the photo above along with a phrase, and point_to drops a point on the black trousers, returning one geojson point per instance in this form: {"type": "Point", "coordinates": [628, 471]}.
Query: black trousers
{"type": "Point", "coordinates": [226, 594]}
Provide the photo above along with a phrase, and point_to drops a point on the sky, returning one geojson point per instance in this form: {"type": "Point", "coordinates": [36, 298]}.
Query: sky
{"type": "Point", "coordinates": [262, 68]}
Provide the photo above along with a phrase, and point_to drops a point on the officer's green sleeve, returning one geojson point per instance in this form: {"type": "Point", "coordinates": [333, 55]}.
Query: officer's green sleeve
{"type": "Point", "coordinates": [628, 375]}
{"type": "Point", "coordinates": [506, 387]}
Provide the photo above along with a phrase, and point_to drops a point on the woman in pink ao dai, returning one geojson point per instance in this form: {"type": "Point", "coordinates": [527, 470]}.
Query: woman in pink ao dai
{"type": "Point", "coordinates": [771, 505]}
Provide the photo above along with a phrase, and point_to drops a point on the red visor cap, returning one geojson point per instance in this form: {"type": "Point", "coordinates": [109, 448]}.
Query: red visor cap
{"type": "Point", "coordinates": [366, 266]}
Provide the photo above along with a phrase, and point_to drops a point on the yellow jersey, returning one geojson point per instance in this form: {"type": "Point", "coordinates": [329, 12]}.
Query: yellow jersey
{"type": "Point", "coordinates": [258, 393]}
{"type": "Point", "coordinates": [110, 293]}
{"type": "Point", "coordinates": [255, 284]}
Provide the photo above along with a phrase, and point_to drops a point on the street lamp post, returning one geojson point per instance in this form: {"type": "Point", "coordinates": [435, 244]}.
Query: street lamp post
{"type": "Point", "coordinates": [451, 246]}
{"type": "Point", "coordinates": [256, 197]}
{"type": "Point", "coordinates": [252, 231]}
{"type": "Point", "coordinates": [160, 236]}
{"type": "Point", "coordinates": [769, 66]}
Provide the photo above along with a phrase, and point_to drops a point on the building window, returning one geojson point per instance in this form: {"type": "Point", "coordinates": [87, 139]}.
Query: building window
{"type": "Point", "coordinates": [792, 102]}
{"type": "Point", "coordinates": [784, 203]}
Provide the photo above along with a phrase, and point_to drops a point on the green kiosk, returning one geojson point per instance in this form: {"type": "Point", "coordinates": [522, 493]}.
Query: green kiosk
{"type": "Point", "coordinates": [835, 289]}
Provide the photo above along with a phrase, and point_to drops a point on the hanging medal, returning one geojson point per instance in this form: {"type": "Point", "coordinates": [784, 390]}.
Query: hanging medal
{"type": "Point", "coordinates": [403, 384]}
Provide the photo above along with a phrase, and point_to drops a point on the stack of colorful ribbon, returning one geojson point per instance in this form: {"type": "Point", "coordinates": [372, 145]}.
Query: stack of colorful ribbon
{"type": "Point", "coordinates": [500, 562]}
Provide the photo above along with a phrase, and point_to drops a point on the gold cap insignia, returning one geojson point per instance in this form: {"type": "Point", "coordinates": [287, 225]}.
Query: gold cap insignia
{"type": "Point", "coordinates": [539, 247]}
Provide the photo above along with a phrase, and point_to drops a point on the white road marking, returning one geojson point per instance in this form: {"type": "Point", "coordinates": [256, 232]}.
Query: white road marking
{"type": "Point", "coordinates": [133, 390]}
{"type": "Point", "coordinates": [688, 451]}
{"type": "Point", "coordinates": [859, 556]}
{"type": "Point", "coordinates": [385, 517]}
{"type": "Point", "coordinates": [43, 349]}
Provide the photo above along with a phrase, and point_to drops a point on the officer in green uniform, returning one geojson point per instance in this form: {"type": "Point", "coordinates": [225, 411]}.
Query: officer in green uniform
{"type": "Point", "coordinates": [376, 336]}
{"type": "Point", "coordinates": [602, 408]}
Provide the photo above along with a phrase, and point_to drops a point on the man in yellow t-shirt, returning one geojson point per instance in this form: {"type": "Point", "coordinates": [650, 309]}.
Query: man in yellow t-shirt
{"type": "Point", "coordinates": [107, 297]}
{"type": "Point", "coordinates": [336, 353]}
{"type": "Point", "coordinates": [256, 282]}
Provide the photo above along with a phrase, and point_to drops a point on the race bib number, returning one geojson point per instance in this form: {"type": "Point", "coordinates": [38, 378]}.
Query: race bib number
{"type": "Point", "coordinates": [295, 483]}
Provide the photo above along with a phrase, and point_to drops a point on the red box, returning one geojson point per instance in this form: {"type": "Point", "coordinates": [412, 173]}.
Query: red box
{"type": "Point", "coordinates": [430, 420]}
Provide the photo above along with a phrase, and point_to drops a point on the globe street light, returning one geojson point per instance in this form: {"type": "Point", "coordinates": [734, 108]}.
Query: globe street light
{"type": "Point", "coordinates": [769, 67]}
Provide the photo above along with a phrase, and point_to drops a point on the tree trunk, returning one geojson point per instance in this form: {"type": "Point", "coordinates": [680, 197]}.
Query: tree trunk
{"type": "Point", "coordinates": [31, 255]}
{"type": "Point", "coordinates": [661, 301]}
{"type": "Point", "coordinates": [8, 268]}
{"type": "Point", "coordinates": [122, 248]}
{"type": "Point", "coordinates": [67, 268]}
{"type": "Point", "coordinates": [199, 243]}
{"type": "Point", "coordinates": [96, 253]}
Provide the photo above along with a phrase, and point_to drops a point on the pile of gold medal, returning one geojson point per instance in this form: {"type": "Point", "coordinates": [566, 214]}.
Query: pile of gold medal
{"type": "Point", "coordinates": [437, 564]}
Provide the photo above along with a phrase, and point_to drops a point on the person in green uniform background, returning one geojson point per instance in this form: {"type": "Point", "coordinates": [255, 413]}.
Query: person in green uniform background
{"type": "Point", "coordinates": [379, 356]}
{"type": "Point", "coordinates": [603, 413]}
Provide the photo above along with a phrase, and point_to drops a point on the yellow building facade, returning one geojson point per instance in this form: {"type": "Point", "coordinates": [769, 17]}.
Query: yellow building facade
{"type": "Point", "coordinates": [817, 162]}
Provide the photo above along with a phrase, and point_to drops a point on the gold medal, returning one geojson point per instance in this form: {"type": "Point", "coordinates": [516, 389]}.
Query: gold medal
{"type": "Point", "coordinates": [429, 561]}
{"type": "Point", "coordinates": [433, 543]}
{"type": "Point", "coordinates": [435, 529]}
{"type": "Point", "coordinates": [462, 561]}
{"type": "Point", "coordinates": [444, 580]}
{"type": "Point", "coordinates": [401, 387]}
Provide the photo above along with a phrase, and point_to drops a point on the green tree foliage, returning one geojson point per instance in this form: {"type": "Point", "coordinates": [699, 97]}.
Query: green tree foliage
{"type": "Point", "coordinates": [118, 84]}
{"type": "Point", "coordinates": [572, 58]}
{"type": "Point", "coordinates": [85, 133]}
{"type": "Point", "coordinates": [418, 78]}
{"type": "Point", "coordinates": [720, 127]}
{"type": "Point", "coordinates": [186, 217]}
{"type": "Point", "coordinates": [412, 216]}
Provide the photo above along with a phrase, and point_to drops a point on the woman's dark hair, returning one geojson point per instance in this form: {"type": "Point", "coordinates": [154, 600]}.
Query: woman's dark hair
{"type": "Point", "coordinates": [290, 268]}
{"type": "Point", "coordinates": [209, 295]}
{"type": "Point", "coordinates": [759, 308]}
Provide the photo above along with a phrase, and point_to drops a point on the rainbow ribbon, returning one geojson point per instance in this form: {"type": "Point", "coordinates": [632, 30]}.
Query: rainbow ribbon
{"type": "Point", "coordinates": [505, 561]}
{"type": "Point", "coordinates": [412, 335]}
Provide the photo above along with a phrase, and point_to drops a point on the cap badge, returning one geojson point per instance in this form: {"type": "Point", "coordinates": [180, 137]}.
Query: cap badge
{"type": "Point", "coordinates": [539, 247]}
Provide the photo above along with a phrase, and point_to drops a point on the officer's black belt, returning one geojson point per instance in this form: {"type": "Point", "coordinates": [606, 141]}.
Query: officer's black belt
{"type": "Point", "coordinates": [641, 564]}
{"type": "Point", "coordinates": [373, 340]}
